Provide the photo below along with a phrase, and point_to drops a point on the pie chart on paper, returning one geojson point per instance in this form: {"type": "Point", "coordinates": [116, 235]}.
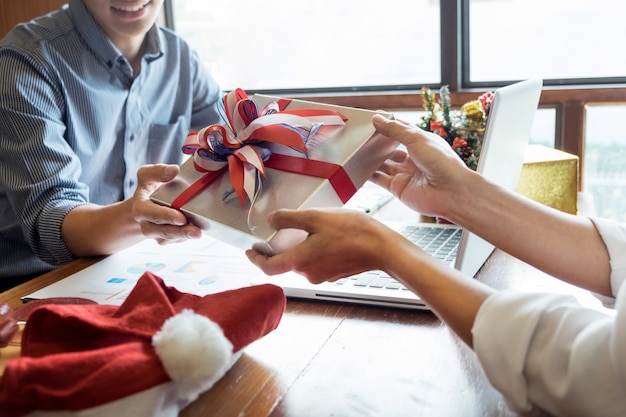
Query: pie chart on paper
{"type": "Point", "coordinates": [146, 267]}
{"type": "Point", "coordinates": [192, 266]}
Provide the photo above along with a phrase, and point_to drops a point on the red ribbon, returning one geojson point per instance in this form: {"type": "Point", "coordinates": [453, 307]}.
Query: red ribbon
{"type": "Point", "coordinates": [335, 174]}
{"type": "Point", "coordinates": [239, 118]}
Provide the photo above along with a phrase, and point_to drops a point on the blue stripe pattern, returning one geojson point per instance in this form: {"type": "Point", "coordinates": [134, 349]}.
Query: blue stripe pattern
{"type": "Point", "coordinates": [75, 125]}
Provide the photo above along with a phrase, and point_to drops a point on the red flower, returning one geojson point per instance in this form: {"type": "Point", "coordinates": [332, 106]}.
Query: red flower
{"type": "Point", "coordinates": [458, 143]}
{"type": "Point", "coordinates": [485, 101]}
{"type": "Point", "coordinates": [437, 128]}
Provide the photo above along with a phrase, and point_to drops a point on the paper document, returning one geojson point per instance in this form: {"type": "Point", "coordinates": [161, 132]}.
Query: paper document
{"type": "Point", "coordinates": [200, 267]}
{"type": "Point", "coordinates": [369, 199]}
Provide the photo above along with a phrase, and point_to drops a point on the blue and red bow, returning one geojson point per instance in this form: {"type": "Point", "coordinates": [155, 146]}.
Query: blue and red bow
{"type": "Point", "coordinates": [241, 146]}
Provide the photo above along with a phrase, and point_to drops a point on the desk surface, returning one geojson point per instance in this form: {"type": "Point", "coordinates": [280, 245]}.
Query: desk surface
{"type": "Point", "coordinates": [330, 359]}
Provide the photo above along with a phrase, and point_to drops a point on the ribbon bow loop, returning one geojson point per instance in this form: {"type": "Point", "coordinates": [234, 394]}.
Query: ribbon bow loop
{"type": "Point", "coordinates": [243, 144]}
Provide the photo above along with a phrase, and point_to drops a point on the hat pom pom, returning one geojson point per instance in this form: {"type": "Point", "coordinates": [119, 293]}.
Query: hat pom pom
{"type": "Point", "coordinates": [194, 351]}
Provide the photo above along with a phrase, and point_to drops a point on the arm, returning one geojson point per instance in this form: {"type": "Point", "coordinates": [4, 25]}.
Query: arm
{"type": "Point", "coordinates": [536, 349]}
{"type": "Point", "coordinates": [331, 252]}
{"type": "Point", "coordinates": [548, 350]}
{"type": "Point", "coordinates": [563, 245]}
{"type": "Point", "coordinates": [542, 349]}
{"type": "Point", "coordinates": [432, 180]}
{"type": "Point", "coordinates": [63, 163]}
{"type": "Point", "coordinates": [41, 177]}
{"type": "Point", "coordinates": [207, 94]}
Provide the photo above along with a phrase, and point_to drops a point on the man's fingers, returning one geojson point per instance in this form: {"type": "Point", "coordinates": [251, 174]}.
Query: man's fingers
{"type": "Point", "coordinates": [168, 232]}
{"type": "Point", "coordinates": [160, 215]}
{"type": "Point", "coordinates": [145, 210]}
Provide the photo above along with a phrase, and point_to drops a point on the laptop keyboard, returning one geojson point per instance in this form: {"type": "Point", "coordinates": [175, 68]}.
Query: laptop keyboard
{"type": "Point", "coordinates": [441, 243]}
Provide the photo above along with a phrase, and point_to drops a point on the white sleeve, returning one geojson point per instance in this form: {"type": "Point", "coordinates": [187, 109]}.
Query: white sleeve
{"type": "Point", "coordinates": [614, 236]}
{"type": "Point", "coordinates": [546, 352]}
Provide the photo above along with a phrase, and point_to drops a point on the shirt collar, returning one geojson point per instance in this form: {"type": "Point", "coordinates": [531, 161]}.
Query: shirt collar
{"type": "Point", "coordinates": [100, 44]}
{"type": "Point", "coordinates": [152, 44]}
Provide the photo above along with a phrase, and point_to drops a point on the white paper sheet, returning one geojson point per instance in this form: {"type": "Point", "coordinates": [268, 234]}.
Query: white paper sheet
{"type": "Point", "coordinates": [200, 267]}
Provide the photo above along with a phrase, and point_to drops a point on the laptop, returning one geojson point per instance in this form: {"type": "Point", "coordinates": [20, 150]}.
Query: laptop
{"type": "Point", "coordinates": [501, 160]}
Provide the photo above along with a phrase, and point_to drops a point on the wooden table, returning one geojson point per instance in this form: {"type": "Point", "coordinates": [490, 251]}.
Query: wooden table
{"type": "Point", "coordinates": [331, 359]}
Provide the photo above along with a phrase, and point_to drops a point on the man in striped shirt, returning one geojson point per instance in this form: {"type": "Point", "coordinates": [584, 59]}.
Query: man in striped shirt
{"type": "Point", "coordinates": [92, 95]}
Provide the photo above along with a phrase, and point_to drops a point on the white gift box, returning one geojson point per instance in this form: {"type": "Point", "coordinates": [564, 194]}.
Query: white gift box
{"type": "Point", "coordinates": [355, 146]}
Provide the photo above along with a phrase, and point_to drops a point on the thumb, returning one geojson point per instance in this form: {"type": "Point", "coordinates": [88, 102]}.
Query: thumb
{"type": "Point", "coordinates": [169, 172]}
{"type": "Point", "coordinates": [395, 129]}
{"type": "Point", "coordinates": [150, 174]}
{"type": "Point", "coordinates": [149, 177]}
{"type": "Point", "coordinates": [291, 219]}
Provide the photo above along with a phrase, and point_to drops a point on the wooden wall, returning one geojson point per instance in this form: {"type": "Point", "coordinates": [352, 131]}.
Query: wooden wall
{"type": "Point", "coordinates": [13, 12]}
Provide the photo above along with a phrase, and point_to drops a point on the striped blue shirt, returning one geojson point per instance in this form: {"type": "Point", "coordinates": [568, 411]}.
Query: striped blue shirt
{"type": "Point", "coordinates": [75, 125]}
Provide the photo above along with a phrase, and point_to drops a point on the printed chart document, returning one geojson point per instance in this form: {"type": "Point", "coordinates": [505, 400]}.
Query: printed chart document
{"type": "Point", "coordinates": [201, 267]}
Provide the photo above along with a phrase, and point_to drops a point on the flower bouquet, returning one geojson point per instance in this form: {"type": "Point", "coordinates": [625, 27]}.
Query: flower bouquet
{"type": "Point", "coordinates": [463, 129]}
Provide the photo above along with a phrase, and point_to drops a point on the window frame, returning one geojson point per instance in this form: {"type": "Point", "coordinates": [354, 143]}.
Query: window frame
{"type": "Point", "coordinates": [464, 29]}
{"type": "Point", "coordinates": [567, 96]}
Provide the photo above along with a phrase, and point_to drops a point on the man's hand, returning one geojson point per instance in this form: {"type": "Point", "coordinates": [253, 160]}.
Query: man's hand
{"type": "Point", "coordinates": [164, 224]}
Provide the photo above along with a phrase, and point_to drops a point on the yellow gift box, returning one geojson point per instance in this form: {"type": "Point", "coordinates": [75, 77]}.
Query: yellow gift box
{"type": "Point", "coordinates": [550, 177]}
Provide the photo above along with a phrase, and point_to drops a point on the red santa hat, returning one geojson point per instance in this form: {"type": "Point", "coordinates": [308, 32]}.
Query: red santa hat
{"type": "Point", "coordinates": [152, 355]}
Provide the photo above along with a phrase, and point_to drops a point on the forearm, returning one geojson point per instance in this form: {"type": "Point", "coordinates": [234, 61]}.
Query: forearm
{"type": "Point", "coordinates": [454, 298]}
{"type": "Point", "coordinates": [92, 230]}
{"type": "Point", "coordinates": [541, 236]}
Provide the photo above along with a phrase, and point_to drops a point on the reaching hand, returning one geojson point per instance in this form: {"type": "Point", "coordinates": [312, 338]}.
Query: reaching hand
{"type": "Point", "coordinates": [340, 243]}
{"type": "Point", "coordinates": [427, 177]}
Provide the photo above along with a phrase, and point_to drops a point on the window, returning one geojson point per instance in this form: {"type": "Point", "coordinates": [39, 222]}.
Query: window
{"type": "Point", "coordinates": [368, 44]}
{"type": "Point", "coordinates": [373, 54]}
{"type": "Point", "coordinates": [321, 44]}
{"type": "Point", "coordinates": [544, 128]}
{"type": "Point", "coordinates": [555, 40]}
{"type": "Point", "coordinates": [605, 160]}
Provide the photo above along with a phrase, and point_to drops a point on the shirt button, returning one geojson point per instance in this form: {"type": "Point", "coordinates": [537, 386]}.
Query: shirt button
{"type": "Point", "coordinates": [132, 137]}
{"type": "Point", "coordinates": [131, 183]}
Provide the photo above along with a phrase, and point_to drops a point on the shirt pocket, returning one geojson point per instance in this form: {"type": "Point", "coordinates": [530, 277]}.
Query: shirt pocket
{"type": "Point", "coordinates": [165, 141]}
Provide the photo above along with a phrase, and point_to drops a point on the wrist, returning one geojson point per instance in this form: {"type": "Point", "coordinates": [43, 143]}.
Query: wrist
{"type": "Point", "coordinates": [390, 249]}
{"type": "Point", "coordinates": [463, 196]}
{"type": "Point", "coordinates": [92, 230]}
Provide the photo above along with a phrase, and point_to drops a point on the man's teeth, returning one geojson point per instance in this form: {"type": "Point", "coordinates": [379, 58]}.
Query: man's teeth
{"type": "Point", "coordinates": [131, 9]}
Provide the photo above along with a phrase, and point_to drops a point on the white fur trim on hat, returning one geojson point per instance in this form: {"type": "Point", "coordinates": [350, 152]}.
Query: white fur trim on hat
{"type": "Point", "coordinates": [194, 351]}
